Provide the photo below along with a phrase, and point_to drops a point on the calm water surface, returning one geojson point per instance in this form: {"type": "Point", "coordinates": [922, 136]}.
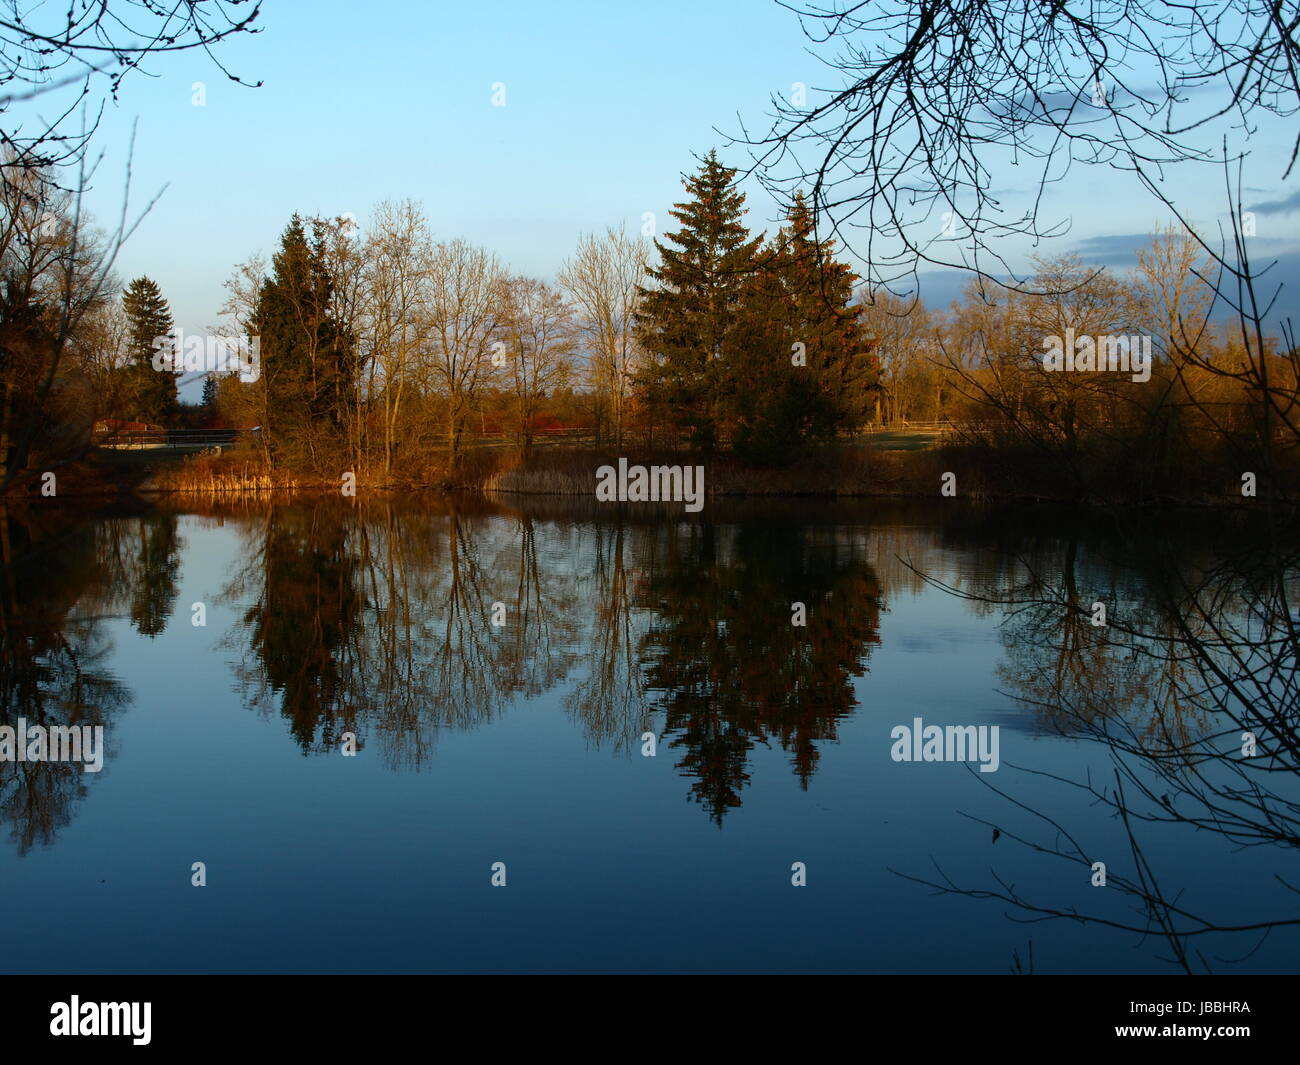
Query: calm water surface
{"type": "Point", "coordinates": [522, 742]}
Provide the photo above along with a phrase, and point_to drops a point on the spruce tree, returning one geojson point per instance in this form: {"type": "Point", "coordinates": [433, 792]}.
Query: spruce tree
{"type": "Point", "coordinates": [798, 368]}
{"type": "Point", "coordinates": [307, 362]}
{"type": "Point", "coordinates": [211, 392]}
{"type": "Point", "coordinates": [685, 318]}
{"type": "Point", "coordinates": [840, 354]}
{"type": "Point", "coordinates": [153, 391]}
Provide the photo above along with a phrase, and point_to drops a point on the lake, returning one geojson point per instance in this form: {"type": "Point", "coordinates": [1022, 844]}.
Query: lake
{"type": "Point", "coordinates": [438, 734]}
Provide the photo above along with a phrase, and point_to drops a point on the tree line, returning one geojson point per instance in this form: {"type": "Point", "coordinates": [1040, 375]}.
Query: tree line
{"type": "Point", "coordinates": [380, 347]}
{"type": "Point", "coordinates": [385, 351]}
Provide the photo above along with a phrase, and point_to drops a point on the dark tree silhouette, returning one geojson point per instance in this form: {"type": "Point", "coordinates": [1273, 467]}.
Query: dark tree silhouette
{"type": "Point", "coordinates": [77, 55]}
{"type": "Point", "coordinates": [728, 673]}
{"type": "Point", "coordinates": [1193, 693]}
{"type": "Point", "coordinates": [935, 95]}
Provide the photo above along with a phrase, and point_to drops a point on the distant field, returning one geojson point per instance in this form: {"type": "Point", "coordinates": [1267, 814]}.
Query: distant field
{"type": "Point", "coordinates": [904, 439]}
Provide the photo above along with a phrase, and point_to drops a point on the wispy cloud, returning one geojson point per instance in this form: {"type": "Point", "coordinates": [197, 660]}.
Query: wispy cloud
{"type": "Point", "coordinates": [1283, 206]}
{"type": "Point", "coordinates": [1117, 249]}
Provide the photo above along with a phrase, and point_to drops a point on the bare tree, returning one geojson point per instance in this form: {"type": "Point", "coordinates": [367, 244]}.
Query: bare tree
{"type": "Point", "coordinates": [1174, 301]}
{"type": "Point", "coordinates": [397, 295]}
{"type": "Point", "coordinates": [904, 348]}
{"type": "Point", "coordinates": [56, 269]}
{"type": "Point", "coordinates": [245, 401]}
{"type": "Point", "coordinates": [936, 95]}
{"type": "Point", "coordinates": [994, 357]}
{"type": "Point", "coordinates": [465, 299]}
{"type": "Point", "coordinates": [538, 331]}
{"type": "Point", "coordinates": [346, 257]}
{"type": "Point", "coordinates": [243, 288]}
{"type": "Point", "coordinates": [603, 279]}
{"type": "Point", "coordinates": [70, 57]}
{"type": "Point", "coordinates": [100, 354]}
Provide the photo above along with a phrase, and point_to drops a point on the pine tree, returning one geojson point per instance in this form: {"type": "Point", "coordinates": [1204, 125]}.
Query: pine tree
{"type": "Point", "coordinates": [685, 319]}
{"type": "Point", "coordinates": [211, 391]}
{"type": "Point", "coordinates": [153, 391]}
{"type": "Point", "coordinates": [798, 367]}
{"type": "Point", "coordinates": [841, 356]}
{"type": "Point", "coordinates": [307, 362]}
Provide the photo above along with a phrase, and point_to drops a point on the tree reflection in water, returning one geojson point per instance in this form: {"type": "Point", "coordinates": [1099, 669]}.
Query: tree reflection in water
{"type": "Point", "coordinates": [1192, 690]}
{"type": "Point", "coordinates": [377, 619]}
{"type": "Point", "coordinates": [61, 580]}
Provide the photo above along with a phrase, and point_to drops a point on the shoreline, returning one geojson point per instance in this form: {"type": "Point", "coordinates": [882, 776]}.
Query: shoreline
{"type": "Point", "coordinates": [852, 472]}
{"type": "Point", "coordinates": [366, 491]}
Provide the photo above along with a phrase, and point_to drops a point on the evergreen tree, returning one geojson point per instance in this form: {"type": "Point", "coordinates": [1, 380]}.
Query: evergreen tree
{"type": "Point", "coordinates": [798, 366]}
{"type": "Point", "coordinates": [685, 319]}
{"type": "Point", "coordinates": [153, 391]}
{"type": "Point", "coordinates": [153, 597]}
{"type": "Point", "coordinates": [307, 361]}
{"type": "Point", "coordinates": [211, 390]}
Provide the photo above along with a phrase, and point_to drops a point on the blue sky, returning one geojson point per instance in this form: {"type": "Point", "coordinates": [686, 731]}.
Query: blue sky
{"type": "Point", "coordinates": [605, 105]}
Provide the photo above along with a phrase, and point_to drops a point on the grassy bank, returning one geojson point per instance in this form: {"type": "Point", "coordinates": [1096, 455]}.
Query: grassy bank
{"type": "Point", "coordinates": [853, 471]}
